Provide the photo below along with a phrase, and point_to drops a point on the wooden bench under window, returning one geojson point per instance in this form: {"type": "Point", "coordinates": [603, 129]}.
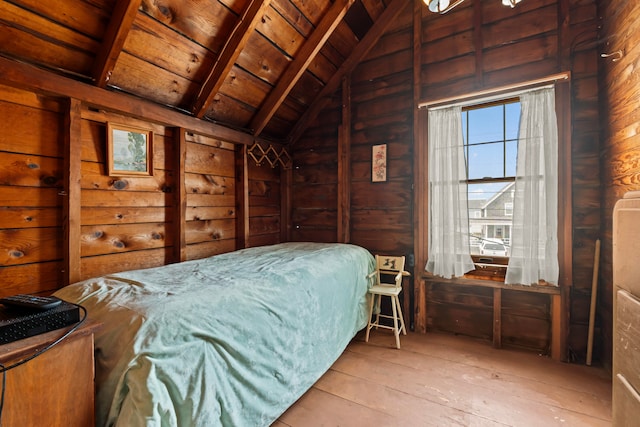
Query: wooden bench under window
{"type": "Point", "coordinates": [553, 292]}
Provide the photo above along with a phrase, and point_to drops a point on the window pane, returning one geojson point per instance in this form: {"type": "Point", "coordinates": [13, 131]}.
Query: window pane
{"type": "Point", "coordinates": [512, 158]}
{"type": "Point", "coordinates": [508, 208]}
{"type": "Point", "coordinates": [512, 116]}
{"type": "Point", "coordinates": [491, 139]}
{"type": "Point", "coordinates": [486, 161]}
{"type": "Point", "coordinates": [490, 217]}
{"type": "Point", "coordinates": [486, 125]}
{"type": "Point", "coordinates": [464, 127]}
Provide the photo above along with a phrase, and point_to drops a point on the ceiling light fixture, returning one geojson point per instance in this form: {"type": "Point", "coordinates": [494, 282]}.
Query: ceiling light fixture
{"type": "Point", "coordinates": [444, 6]}
{"type": "Point", "coordinates": [511, 3]}
{"type": "Point", "coordinates": [441, 6]}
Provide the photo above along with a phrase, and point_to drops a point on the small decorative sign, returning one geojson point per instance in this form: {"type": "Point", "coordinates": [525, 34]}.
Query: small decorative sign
{"type": "Point", "coordinates": [379, 163]}
{"type": "Point", "coordinates": [129, 151]}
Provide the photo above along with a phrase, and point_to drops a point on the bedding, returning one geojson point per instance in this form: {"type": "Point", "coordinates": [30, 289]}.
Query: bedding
{"type": "Point", "coordinates": [230, 340]}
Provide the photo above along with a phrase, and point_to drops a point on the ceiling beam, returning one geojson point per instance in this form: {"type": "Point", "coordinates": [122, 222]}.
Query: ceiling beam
{"type": "Point", "coordinates": [227, 58]}
{"type": "Point", "coordinates": [26, 76]}
{"type": "Point", "coordinates": [360, 51]}
{"type": "Point", "coordinates": [124, 13]}
{"type": "Point", "coordinates": [296, 69]}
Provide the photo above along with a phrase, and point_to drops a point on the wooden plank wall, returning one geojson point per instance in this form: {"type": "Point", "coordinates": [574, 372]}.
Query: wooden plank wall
{"type": "Point", "coordinates": [582, 58]}
{"type": "Point", "coordinates": [31, 179]}
{"type": "Point", "coordinates": [265, 203]}
{"type": "Point", "coordinates": [210, 185]}
{"type": "Point", "coordinates": [482, 45]}
{"type": "Point", "coordinates": [382, 212]}
{"type": "Point", "coordinates": [476, 46]}
{"type": "Point", "coordinates": [380, 215]}
{"type": "Point", "coordinates": [314, 187]}
{"type": "Point", "coordinates": [620, 96]}
{"type": "Point", "coordinates": [124, 222]}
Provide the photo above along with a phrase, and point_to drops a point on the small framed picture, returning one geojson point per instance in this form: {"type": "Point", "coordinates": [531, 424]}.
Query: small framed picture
{"type": "Point", "coordinates": [129, 151]}
{"type": "Point", "coordinates": [379, 163]}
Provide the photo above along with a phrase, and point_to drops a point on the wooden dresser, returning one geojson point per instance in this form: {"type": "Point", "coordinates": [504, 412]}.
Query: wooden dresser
{"type": "Point", "coordinates": [626, 314]}
{"type": "Point", "coordinates": [57, 387]}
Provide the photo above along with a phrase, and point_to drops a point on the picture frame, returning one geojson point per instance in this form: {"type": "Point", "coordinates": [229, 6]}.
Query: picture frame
{"type": "Point", "coordinates": [129, 150]}
{"type": "Point", "coordinates": [379, 163]}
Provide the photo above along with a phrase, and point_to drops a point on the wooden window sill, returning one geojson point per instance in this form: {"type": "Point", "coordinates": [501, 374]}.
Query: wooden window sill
{"type": "Point", "coordinates": [491, 283]}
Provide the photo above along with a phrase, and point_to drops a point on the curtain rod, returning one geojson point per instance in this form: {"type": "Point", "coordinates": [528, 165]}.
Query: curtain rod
{"type": "Point", "coordinates": [470, 96]}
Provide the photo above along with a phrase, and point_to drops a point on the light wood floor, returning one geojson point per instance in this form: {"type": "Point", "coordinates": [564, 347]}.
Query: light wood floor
{"type": "Point", "coordinates": [444, 380]}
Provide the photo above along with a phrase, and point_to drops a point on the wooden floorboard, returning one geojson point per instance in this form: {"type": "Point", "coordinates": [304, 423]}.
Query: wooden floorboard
{"type": "Point", "coordinates": [445, 380]}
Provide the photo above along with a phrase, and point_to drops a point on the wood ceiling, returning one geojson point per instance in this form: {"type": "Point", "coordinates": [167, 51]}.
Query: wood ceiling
{"type": "Point", "coordinates": [265, 67]}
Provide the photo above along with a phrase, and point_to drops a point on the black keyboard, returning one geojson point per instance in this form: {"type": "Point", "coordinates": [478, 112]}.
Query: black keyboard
{"type": "Point", "coordinates": [18, 323]}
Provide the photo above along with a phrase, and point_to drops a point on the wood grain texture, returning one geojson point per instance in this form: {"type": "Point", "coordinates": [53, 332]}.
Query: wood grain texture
{"type": "Point", "coordinates": [478, 45]}
{"type": "Point", "coordinates": [56, 388]}
{"type": "Point", "coordinates": [437, 379]}
{"type": "Point", "coordinates": [29, 245]}
{"type": "Point", "coordinates": [227, 57]}
{"type": "Point", "coordinates": [33, 278]}
{"type": "Point", "coordinates": [302, 58]}
{"type": "Point", "coordinates": [207, 24]}
{"type": "Point", "coordinates": [27, 35]}
{"type": "Point", "coordinates": [32, 131]}
{"type": "Point", "coordinates": [124, 13]}
{"type": "Point", "coordinates": [116, 262]}
{"type": "Point", "coordinates": [72, 190]}
{"type": "Point", "coordinates": [206, 249]}
{"type": "Point", "coordinates": [208, 230]}
{"type": "Point", "coordinates": [179, 217]}
{"type": "Point", "coordinates": [619, 92]}
{"type": "Point", "coordinates": [107, 239]}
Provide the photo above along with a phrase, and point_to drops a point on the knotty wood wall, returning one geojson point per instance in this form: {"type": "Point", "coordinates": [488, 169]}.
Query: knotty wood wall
{"type": "Point", "coordinates": [31, 170]}
{"type": "Point", "coordinates": [375, 215]}
{"type": "Point", "coordinates": [478, 45]}
{"type": "Point", "coordinates": [121, 215]}
{"type": "Point", "coordinates": [380, 213]}
{"type": "Point", "coordinates": [131, 223]}
{"type": "Point", "coordinates": [265, 203]}
{"type": "Point", "coordinates": [314, 187]}
{"type": "Point", "coordinates": [620, 97]}
{"type": "Point", "coordinates": [124, 222]}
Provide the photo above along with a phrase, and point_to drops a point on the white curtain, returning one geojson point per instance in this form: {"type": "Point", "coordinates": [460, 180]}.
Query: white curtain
{"type": "Point", "coordinates": [448, 254]}
{"type": "Point", "coordinates": [534, 241]}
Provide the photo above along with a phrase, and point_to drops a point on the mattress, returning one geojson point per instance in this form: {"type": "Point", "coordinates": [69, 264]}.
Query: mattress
{"type": "Point", "coordinates": [230, 340]}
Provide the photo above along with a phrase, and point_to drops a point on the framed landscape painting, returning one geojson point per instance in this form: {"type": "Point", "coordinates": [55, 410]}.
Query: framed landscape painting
{"type": "Point", "coordinates": [129, 151]}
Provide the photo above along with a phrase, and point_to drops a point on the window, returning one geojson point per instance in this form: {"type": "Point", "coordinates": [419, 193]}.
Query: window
{"type": "Point", "coordinates": [490, 134]}
{"type": "Point", "coordinates": [508, 209]}
{"type": "Point", "coordinates": [472, 153]}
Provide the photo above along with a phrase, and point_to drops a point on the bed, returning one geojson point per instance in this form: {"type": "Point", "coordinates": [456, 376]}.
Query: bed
{"type": "Point", "coordinates": [230, 340]}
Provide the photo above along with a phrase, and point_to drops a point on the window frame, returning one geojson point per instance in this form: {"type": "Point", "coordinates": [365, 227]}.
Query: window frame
{"type": "Point", "coordinates": [508, 211]}
{"type": "Point", "coordinates": [489, 267]}
{"type": "Point", "coordinates": [421, 197]}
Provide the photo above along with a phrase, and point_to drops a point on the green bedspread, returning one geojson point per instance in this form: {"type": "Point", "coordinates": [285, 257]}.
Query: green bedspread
{"type": "Point", "coordinates": [230, 340]}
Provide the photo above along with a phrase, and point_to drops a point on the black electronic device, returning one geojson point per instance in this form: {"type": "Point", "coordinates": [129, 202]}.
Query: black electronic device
{"type": "Point", "coordinates": [31, 301]}
{"type": "Point", "coordinates": [18, 322]}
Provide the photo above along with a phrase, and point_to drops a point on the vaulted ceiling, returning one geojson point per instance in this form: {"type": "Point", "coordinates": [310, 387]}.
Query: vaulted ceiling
{"type": "Point", "coordinates": [264, 67]}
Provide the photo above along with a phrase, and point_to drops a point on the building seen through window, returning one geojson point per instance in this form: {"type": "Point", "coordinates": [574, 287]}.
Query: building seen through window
{"type": "Point", "coordinates": [490, 133]}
